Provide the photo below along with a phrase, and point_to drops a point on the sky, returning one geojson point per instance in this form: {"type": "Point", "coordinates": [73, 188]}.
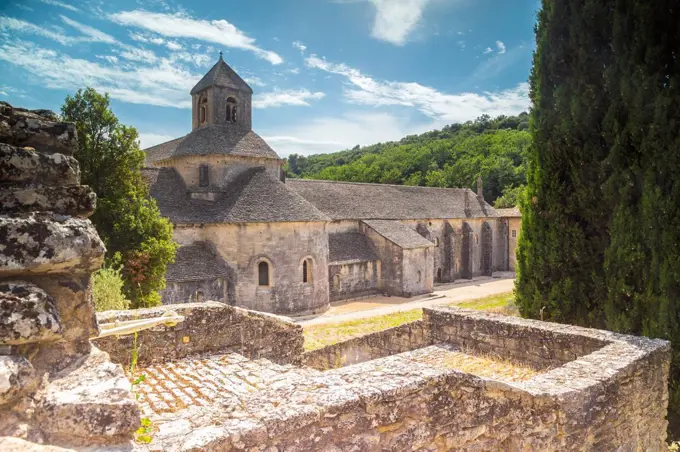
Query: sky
{"type": "Point", "coordinates": [327, 74]}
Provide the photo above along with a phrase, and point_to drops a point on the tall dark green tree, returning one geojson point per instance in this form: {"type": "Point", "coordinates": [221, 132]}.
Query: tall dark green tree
{"type": "Point", "coordinates": [600, 240]}
{"type": "Point", "coordinates": [564, 214]}
{"type": "Point", "coordinates": [126, 218]}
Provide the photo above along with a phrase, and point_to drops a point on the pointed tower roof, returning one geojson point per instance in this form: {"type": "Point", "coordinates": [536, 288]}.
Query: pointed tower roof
{"type": "Point", "coordinates": [221, 75]}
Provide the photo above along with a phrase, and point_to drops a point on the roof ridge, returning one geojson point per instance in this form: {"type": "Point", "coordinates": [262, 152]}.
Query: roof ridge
{"type": "Point", "coordinates": [376, 183]}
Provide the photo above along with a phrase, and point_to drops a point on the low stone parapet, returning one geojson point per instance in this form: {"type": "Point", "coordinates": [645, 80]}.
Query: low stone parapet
{"type": "Point", "coordinates": [209, 327]}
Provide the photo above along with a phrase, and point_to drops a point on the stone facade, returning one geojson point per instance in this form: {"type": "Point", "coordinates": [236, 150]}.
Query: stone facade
{"type": "Point", "coordinates": [396, 390]}
{"type": "Point", "coordinates": [54, 386]}
{"type": "Point", "coordinates": [222, 184]}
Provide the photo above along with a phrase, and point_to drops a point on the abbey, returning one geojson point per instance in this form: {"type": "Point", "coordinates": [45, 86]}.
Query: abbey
{"type": "Point", "coordinates": [252, 239]}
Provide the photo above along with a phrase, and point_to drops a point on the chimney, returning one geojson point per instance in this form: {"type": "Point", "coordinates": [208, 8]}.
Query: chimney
{"type": "Point", "coordinates": [480, 188]}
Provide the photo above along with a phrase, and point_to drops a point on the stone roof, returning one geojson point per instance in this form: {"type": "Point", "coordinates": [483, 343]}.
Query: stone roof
{"type": "Point", "coordinates": [399, 234]}
{"type": "Point", "coordinates": [510, 212]}
{"type": "Point", "coordinates": [350, 200]}
{"type": "Point", "coordinates": [349, 247]}
{"type": "Point", "coordinates": [221, 75]}
{"type": "Point", "coordinates": [216, 139]}
{"type": "Point", "coordinates": [196, 262]}
{"type": "Point", "coordinates": [253, 196]}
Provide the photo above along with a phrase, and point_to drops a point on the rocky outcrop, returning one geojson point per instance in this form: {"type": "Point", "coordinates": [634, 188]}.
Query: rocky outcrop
{"type": "Point", "coordinates": [54, 386]}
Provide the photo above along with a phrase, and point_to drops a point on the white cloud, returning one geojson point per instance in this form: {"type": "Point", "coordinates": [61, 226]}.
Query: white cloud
{"type": "Point", "coordinates": [110, 58]}
{"type": "Point", "coordinates": [21, 26]}
{"type": "Point", "coordinates": [285, 97]}
{"type": "Point", "coordinates": [183, 26]}
{"type": "Point", "coordinates": [254, 81]}
{"type": "Point", "coordinates": [161, 83]}
{"type": "Point", "coordinates": [488, 50]}
{"type": "Point", "coordinates": [60, 4]}
{"type": "Point", "coordinates": [329, 134]}
{"type": "Point", "coordinates": [295, 70]}
{"type": "Point", "coordinates": [501, 47]}
{"type": "Point", "coordinates": [93, 33]}
{"type": "Point", "coordinates": [458, 107]}
{"type": "Point", "coordinates": [172, 45]}
{"type": "Point", "coordinates": [395, 19]}
{"type": "Point", "coordinates": [147, 140]}
{"type": "Point", "coordinates": [300, 46]}
{"type": "Point", "coordinates": [138, 55]}
{"type": "Point", "coordinates": [147, 39]}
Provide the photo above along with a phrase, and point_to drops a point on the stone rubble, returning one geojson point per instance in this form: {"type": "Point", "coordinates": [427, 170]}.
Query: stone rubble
{"type": "Point", "coordinates": [55, 387]}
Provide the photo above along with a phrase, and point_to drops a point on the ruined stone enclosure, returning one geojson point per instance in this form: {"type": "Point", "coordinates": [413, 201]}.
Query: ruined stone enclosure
{"type": "Point", "coordinates": [457, 380]}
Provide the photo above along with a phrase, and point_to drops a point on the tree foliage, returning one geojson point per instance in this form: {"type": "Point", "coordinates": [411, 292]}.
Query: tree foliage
{"type": "Point", "coordinates": [107, 290]}
{"type": "Point", "coordinates": [451, 157]}
{"type": "Point", "coordinates": [126, 218]}
{"type": "Point", "coordinates": [600, 242]}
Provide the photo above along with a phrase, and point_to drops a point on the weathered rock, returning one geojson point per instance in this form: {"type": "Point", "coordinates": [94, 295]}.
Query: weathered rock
{"type": "Point", "coordinates": [27, 314]}
{"type": "Point", "coordinates": [10, 444]}
{"type": "Point", "coordinates": [25, 165]}
{"type": "Point", "coordinates": [16, 378]}
{"type": "Point", "coordinates": [48, 244]}
{"type": "Point", "coordinates": [89, 401]}
{"type": "Point", "coordinates": [77, 200]}
{"type": "Point", "coordinates": [38, 129]}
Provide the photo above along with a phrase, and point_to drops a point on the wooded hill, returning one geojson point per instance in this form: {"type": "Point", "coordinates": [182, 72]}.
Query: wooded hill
{"type": "Point", "coordinates": [454, 156]}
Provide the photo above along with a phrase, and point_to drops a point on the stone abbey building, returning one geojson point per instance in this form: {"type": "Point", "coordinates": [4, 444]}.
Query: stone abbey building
{"type": "Point", "coordinates": [251, 238]}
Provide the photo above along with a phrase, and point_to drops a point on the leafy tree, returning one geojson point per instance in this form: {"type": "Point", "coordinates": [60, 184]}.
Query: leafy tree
{"type": "Point", "coordinates": [107, 290]}
{"type": "Point", "coordinates": [126, 218]}
{"type": "Point", "coordinates": [564, 214]}
{"type": "Point", "coordinates": [451, 157]}
{"type": "Point", "coordinates": [511, 197]}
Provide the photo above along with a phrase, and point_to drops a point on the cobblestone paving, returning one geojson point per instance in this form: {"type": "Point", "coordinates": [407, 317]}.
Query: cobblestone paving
{"type": "Point", "coordinates": [221, 380]}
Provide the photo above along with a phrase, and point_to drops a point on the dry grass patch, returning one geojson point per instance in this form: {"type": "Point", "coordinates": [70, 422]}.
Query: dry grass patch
{"type": "Point", "coordinates": [317, 336]}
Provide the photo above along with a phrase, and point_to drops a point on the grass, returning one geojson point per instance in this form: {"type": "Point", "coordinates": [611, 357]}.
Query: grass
{"type": "Point", "coordinates": [483, 365]}
{"type": "Point", "coordinates": [317, 336]}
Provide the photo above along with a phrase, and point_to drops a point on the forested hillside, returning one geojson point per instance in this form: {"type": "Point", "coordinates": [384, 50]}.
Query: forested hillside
{"type": "Point", "coordinates": [451, 157]}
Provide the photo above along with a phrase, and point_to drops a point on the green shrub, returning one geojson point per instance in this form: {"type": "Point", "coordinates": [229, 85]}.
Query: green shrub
{"type": "Point", "coordinates": [107, 290]}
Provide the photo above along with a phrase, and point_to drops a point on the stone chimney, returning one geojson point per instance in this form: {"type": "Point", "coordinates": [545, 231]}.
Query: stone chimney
{"type": "Point", "coordinates": [49, 251]}
{"type": "Point", "coordinates": [480, 188]}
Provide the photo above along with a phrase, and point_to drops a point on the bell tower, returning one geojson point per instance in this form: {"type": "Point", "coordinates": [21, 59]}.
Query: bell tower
{"type": "Point", "coordinates": [221, 98]}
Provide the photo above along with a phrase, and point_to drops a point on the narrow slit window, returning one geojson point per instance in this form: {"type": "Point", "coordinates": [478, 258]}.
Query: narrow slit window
{"type": "Point", "coordinates": [231, 109]}
{"type": "Point", "coordinates": [203, 175]}
{"type": "Point", "coordinates": [306, 271]}
{"type": "Point", "coordinates": [263, 273]}
{"type": "Point", "coordinates": [203, 110]}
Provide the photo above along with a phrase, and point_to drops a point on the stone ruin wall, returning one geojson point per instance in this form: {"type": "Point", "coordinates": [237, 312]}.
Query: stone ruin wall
{"type": "Point", "coordinates": [54, 387]}
{"type": "Point", "coordinates": [208, 327]}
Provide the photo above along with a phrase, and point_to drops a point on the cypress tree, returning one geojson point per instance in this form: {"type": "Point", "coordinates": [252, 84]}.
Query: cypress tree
{"type": "Point", "coordinates": [564, 222]}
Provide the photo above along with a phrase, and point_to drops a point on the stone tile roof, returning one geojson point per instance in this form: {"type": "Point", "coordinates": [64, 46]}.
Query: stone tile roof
{"type": "Point", "coordinates": [220, 139]}
{"type": "Point", "coordinates": [350, 200]}
{"type": "Point", "coordinates": [196, 262]}
{"type": "Point", "coordinates": [350, 247]}
{"type": "Point", "coordinates": [398, 233]}
{"type": "Point", "coordinates": [221, 74]}
{"type": "Point", "coordinates": [253, 196]}
{"type": "Point", "coordinates": [510, 212]}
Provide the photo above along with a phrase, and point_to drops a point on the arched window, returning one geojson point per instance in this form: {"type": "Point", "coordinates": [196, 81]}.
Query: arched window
{"type": "Point", "coordinates": [199, 296]}
{"type": "Point", "coordinates": [436, 241]}
{"type": "Point", "coordinates": [307, 271]}
{"type": "Point", "coordinates": [439, 274]}
{"type": "Point", "coordinates": [263, 274]}
{"type": "Point", "coordinates": [420, 276]}
{"type": "Point", "coordinates": [203, 110]}
{"type": "Point", "coordinates": [336, 282]}
{"type": "Point", "coordinates": [231, 109]}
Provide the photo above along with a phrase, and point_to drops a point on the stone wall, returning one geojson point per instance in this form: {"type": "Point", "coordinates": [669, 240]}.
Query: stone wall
{"type": "Point", "coordinates": [54, 387]}
{"type": "Point", "coordinates": [354, 280]}
{"type": "Point", "coordinates": [195, 291]}
{"type": "Point", "coordinates": [284, 246]}
{"type": "Point", "coordinates": [402, 338]}
{"type": "Point", "coordinates": [208, 327]}
{"type": "Point", "coordinates": [605, 392]}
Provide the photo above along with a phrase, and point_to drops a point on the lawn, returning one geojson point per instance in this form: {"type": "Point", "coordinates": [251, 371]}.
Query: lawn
{"type": "Point", "coordinates": [317, 336]}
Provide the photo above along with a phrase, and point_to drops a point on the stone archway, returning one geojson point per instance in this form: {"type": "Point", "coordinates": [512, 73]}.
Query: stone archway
{"type": "Point", "coordinates": [466, 252]}
{"type": "Point", "coordinates": [487, 249]}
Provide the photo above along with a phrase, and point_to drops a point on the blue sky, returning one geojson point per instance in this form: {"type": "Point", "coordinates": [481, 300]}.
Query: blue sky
{"type": "Point", "coordinates": [327, 74]}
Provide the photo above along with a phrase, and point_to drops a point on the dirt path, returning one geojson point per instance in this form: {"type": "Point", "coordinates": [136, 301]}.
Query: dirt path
{"type": "Point", "coordinates": [443, 294]}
